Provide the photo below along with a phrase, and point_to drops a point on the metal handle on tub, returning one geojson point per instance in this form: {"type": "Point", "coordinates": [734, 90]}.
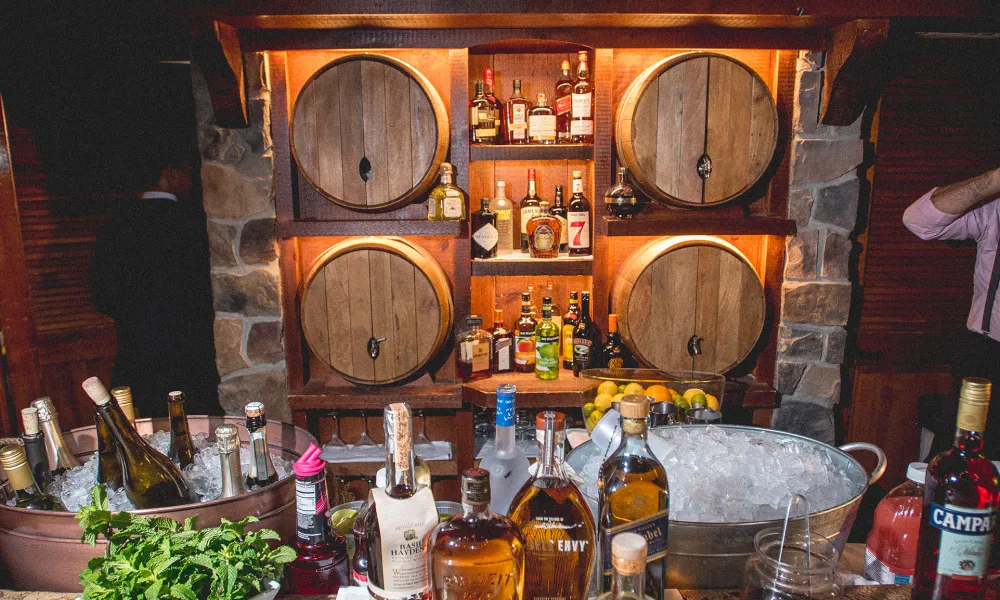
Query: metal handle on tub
{"type": "Point", "coordinates": [879, 468]}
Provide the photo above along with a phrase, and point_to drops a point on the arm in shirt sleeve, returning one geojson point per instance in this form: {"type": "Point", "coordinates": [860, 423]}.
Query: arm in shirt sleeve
{"type": "Point", "coordinates": [927, 222]}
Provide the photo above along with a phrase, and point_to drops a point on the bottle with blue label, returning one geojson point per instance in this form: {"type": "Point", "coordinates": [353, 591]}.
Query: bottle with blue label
{"type": "Point", "coordinates": [507, 464]}
{"type": "Point", "coordinates": [961, 496]}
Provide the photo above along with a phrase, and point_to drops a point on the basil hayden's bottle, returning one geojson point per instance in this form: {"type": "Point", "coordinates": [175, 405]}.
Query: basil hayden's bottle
{"type": "Point", "coordinates": [961, 494]}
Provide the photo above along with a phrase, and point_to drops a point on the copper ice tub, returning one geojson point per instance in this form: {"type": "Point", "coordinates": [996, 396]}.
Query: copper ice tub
{"type": "Point", "coordinates": [42, 550]}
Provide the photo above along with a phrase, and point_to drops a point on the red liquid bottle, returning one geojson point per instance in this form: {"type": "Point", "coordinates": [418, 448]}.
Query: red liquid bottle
{"type": "Point", "coordinates": [891, 548]}
{"type": "Point", "coordinates": [321, 567]}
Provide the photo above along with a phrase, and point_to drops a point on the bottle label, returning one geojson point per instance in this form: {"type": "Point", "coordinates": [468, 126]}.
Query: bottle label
{"type": "Point", "coordinates": [480, 357]}
{"type": "Point", "coordinates": [563, 231]}
{"type": "Point", "coordinates": [971, 417]}
{"type": "Point", "coordinates": [524, 349]}
{"type": "Point", "coordinates": [543, 238]}
{"type": "Point", "coordinates": [474, 116]}
{"type": "Point", "coordinates": [578, 186]}
{"type": "Point", "coordinates": [260, 463]}
{"type": "Point", "coordinates": [359, 578]}
{"type": "Point", "coordinates": [526, 213]}
{"type": "Point", "coordinates": [452, 205]}
{"type": "Point", "coordinates": [547, 353]}
{"type": "Point", "coordinates": [505, 410]}
{"type": "Point", "coordinates": [311, 504]}
{"type": "Point", "coordinates": [966, 535]}
{"type": "Point", "coordinates": [653, 529]}
{"type": "Point", "coordinates": [505, 229]}
{"type": "Point", "coordinates": [567, 334]}
{"type": "Point", "coordinates": [518, 124]}
{"type": "Point", "coordinates": [403, 526]}
{"type": "Point", "coordinates": [483, 133]}
{"type": "Point", "coordinates": [432, 205]}
{"type": "Point", "coordinates": [579, 230]}
{"type": "Point", "coordinates": [581, 127]}
{"type": "Point", "coordinates": [486, 237]}
{"type": "Point", "coordinates": [542, 127]}
{"type": "Point", "coordinates": [581, 106]}
{"type": "Point", "coordinates": [564, 104]}
{"type": "Point", "coordinates": [503, 352]}
{"type": "Point", "coordinates": [878, 571]}
{"type": "Point", "coordinates": [582, 351]}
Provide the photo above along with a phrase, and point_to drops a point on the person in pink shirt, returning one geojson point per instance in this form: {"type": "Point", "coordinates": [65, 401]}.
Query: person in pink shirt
{"type": "Point", "coordinates": [970, 210]}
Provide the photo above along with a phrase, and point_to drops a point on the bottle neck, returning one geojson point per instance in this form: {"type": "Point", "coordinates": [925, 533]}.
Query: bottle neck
{"type": "Point", "coordinates": [501, 192]}
{"type": "Point", "coordinates": [475, 510]}
{"type": "Point", "coordinates": [176, 411]}
{"type": "Point", "coordinates": [968, 441]}
{"type": "Point", "coordinates": [621, 178]}
{"type": "Point", "coordinates": [550, 455]}
{"type": "Point", "coordinates": [531, 188]}
{"type": "Point", "coordinates": [232, 474]}
{"type": "Point", "coordinates": [400, 478]}
{"type": "Point", "coordinates": [634, 433]}
{"type": "Point", "coordinates": [124, 434]}
{"type": "Point", "coordinates": [585, 310]}
{"type": "Point", "coordinates": [22, 481]}
{"type": "Point", "coordinates": [445, 178]}
{"type": "Point", "coordinates": [582, 72]}
{"type": "Point", "coordinates": [625, 585]}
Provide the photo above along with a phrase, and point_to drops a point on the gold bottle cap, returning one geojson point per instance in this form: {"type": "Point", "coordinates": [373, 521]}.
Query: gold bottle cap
{"type": "Point", "coordinates": [628, 553]}
{"type": "Point", "coordinates": [12, 457]}
{"type": "Point", "coordinates": [565, 65]}
{"type": "Point", "coordinates": [476, 486]}
{"type": "Point", "coordinates": [446, 168]}
{"type": "Point", "coordinates": [29, 416]}
{"type": "Point", "coordinates": [634, 407]}
{"type": "Point", "coordinates": [581, 54]}
{"type": "Point", "coordinates": [96, 390]}
{"type": "Point", "coordinates": [973, 403]}
{"type": "Point", "coordinates": [543, 205]}
{"type": "Point", "coordinates": [612, 322]}
{"type": "Point", "coordinates": [577, 174]}
{"type": "Point", "coordinates": [227, 438]}
{"type": "Point", "coordinates": [254, 409]}
{"type": "Point", "coordinates": [123, 396]}
{"type": "Point", "coordinates": [46, 409]}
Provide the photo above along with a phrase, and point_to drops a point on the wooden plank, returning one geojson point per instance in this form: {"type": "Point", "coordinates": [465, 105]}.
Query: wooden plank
{"type": "Point", "coordinates": [316, 322]}
{"type": "Point", "coordinates": [374, 124]}
{"type": "Point", "coordinates": [675, 278]}
{"type": "Point", "coordinates": [698, 223]}
{"type": "Point", "coordinates": [423, 132]}
{"type": "Point", "coordinates": [645, 129]}
{"type": "Point", "coordinates": [762, 129]}
{"type": "Point", "coordinates": [855, 69]}
{"type": "Point", "coordinates": [712, 287]}
{"type": "Point", "coordinates": [532, 152]}
{"type": "Point", "coordinates": [566, 391]}
{"type": "Point", "coordinates": [397, 116]}
{"type": "Point", "coordinates": [730, 90]}
{"type": "Point", "coordinates": [359, 301]}
{"type": "Point", "coordinates": [428, 309]}
{"type": "Point", "coordinates": [680, 128]}
{"type": "Point", "coordinates": [328, 131]}
{"type": "Point", "coordinates": [352, 131]}
{"type": "Point", "coordinates": [373, 227]}
{"type": "Point", "coordinates": [522, 264]}
{"type": "Point", "coordinates": [404, 314]}
{"type": "Point", "coordinates": [288, 262]}
{"type": "Point", "coordinates": [340, 317]}
{"type": "Point", "coordinates": [382, 324]}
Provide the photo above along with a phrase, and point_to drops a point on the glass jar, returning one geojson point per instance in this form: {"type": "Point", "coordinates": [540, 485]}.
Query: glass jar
{"type": "Point", "coordinates": [793, 577]}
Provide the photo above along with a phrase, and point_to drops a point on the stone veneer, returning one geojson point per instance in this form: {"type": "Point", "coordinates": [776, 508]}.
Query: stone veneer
{"type": "Point", "coordinates": [816, 293]}
{"type": "Point", "coordinates": [236, 176]}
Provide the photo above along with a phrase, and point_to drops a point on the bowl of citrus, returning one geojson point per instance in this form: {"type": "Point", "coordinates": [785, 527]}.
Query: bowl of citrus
{"type": "Point", "coordinates": [685, 389]}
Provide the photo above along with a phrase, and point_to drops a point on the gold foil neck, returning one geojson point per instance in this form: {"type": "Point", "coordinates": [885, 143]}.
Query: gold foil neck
{"type": "Point", "coordinates": [123, 395]}
{"type": "Point", "coordinates": [973, 404]}
{"type": "Point", "coordinates": [254, 409]}
{"type": "Point", "coordinates": [227, 438]}
{"type": "Point", "coordinates": [29, 416]}
{"type": "Point", "coordinates": [628, 553]}
{"type": "Point", "coordinates": [634, 407]}
{"type": "Point", "coordinates": [46, 409]}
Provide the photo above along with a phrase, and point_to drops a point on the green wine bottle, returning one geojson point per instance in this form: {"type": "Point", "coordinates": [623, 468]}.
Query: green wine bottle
{"type": "Point", "coordinates": [181, 447]}
{"type": "Point", "coordinates": [109, 469]}
{"type": "Point", "coordinates": [547, 337]}
{"type": "Point", "coordinates": [151, 480]}
{"type": "Point", "coordinates": [26, 490]}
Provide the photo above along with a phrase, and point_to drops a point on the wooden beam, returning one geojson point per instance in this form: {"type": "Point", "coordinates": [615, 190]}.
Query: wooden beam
{"type": "Point", "coordinates": [215, 48]}
{"type": "Point", "coordinates": [854, 59]}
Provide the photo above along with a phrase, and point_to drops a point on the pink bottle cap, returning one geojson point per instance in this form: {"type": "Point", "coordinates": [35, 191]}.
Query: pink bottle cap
{"type": "Point", "coordinates": [309, 463]}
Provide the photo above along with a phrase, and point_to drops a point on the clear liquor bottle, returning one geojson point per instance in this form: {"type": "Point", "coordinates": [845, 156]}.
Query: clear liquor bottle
{"type": "Point", "coordinates": [633, 494]}
{"type": "Point", "coordinates": [516, 116]}
{"type": "Point", "coordinates": [564, 104]}
{"type": "Point", "coordinates": [474, 350]}
{"type": "Point", "coordinates": [484, 231]}
{"type": "Point", "coordinates": [543, 233]}
{"type": "Point", "coordinates": [27, 494]}
{"type": "Point", "coordinates": [530, 207]}
{"type": "Point", "coordinates": [628, 565]}
{"type": "Point", "coordinates": [547, 336]}
{"type": "Point", "coordinates": [261, 472]}
{"type": "Point", "coordinates": [482, 118]}
{"type": "Point", "coordinates": [542, 122]}
{"type": "Point", "coordinates": [448, 196]}
{"type": "Point", "coordinates": [479, 554]}
{"type": "Point", "coordinates": [507, 465]}
{"type": "Point", "coordinates": [503, 344]}
{"type": "Point", "coordinates": [555, 520]}
{"type": "Point", "coordinates": [181, 449]}
{"type": "Point", "coordinates": [570, 320]}
{"type": "Point", "coordinates": [961, 496]}
{"type": "Point", "coordinates": [582, 118]}
{"type": "Point", "coordinates": [524, 337]}
{"type": "Point", "coordinates": [578, 213]}
{"type": "Point", "coordinates": [559, 212]}
{"type": "Point", "coordinates": [504, 211]}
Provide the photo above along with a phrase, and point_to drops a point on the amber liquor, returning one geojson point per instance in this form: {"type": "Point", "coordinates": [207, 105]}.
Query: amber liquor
{"type": "Point", "coordinates": [559, 212]}
{"type": "Point", "coordinates": [529, 208]}
{"type": "Point", "coordinates": [516, 116]}
{"type": "Point", "coordinates": [524, 337]}
{"type": "Point", "coordinates": [474, 351]}
{"type": "Point", "coordinates": [542, 123]}
{"type": "Point", "coordinates": [543, 234]}
{"type": "Point", "coordinates": [482, 118]}
{"type": "Point", "coordinates": [582, 118]}
{"type": "Point", "coordinates": [564, 104]}
{"type": "Point", "coordinates": [503, 344]}
{"type": "Point", "coordinates": [495, 104]}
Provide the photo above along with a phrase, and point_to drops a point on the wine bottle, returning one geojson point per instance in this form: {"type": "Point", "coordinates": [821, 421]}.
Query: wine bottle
{"type": "Point", "coordinates": [123, 396]}
{"type": "Point", "coordinates": [109, 468]}
{"type": "Point", "coordinates": [261, 472]}
{"type": "Point", "coordinates": [34, 447]}
{"type": "Point", "coordinates": [151, 480]}
{"type": "Point", "coordinates": [181, 449]}
{"type": "Point", "coordinates": [60, 457]}
{"type": "Point", "coordinates": [227, 438]}
{"type": "Point", "coordinates": [586, 338]}
{"type": "Point", "coordinates": [27, 494]}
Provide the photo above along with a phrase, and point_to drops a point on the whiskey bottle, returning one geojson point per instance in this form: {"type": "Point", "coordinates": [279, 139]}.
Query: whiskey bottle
{"type": "Point", "coordinates": [478, 554]}
{"type": "Point", "coordinates": [123, 396]}
{"type": "Point", "coordinates": [401, 515]}
{"type": "Point", "coordinates": [61, 458]}
{"type": "Point", "coordinates": [524, 338]}
{"type": "Point", "coordinates": [359, 562]}
{"type": "Point", "coordinates": [555, 520]}
{"type": "Point", "coordinates": [578, 214]}
{"type": "Point", "coordinates": [181, 449]}
{"type": "Point", "coordinates": [543, 233]}
{"type": "Point", "coordinates": [485, 235]}
{"type": "Point", "coordinates": [559, 212]}
{"type": "Point", "coordinates": [633, 495]}
{"type": "Point", "coordinates": [261, 472]}
{"type": "Point", "coordinates": [619, 199]}
{"type": "Point", "coordinates": [449, 196]}
{"type": "Point", "coordinates": [474, 350]}
{"type": "Point", "coordinates": [27, 494]}
{"type": "Point", "coordinates": [503, 344]}
{"type": "Point", "coordinates": [570, 320]}
{"type": "Point", "coordinates": [564, 104]}
{"type": "Point", "coordinates": [529, 208]}
{"type": "Point", "coordinates": [507, 465]}
{"type": "Point", "coordinates": [482, 118]}
{"type": "Point", "coordinates": [227, 440]}
{"type": "Point", "coordinates": [504, 211]}
{"type": "Point", "coordinates": [960, 507]}
{"type": "Point", "coordinates": [109, 468]}
{"type": "Point", "coordinates": [586, 340]}
{"type": "Point", "coordinates": [582, 118]}
{"type": "Point", "coordinates": [628, 568]}
{"type": "Point", "coordinates": [150, 479]}
{"type": "Point", "coordinates": [614, 354]}
{"type": "Point", "coordinates": [547, 336]}
{"type": "Point", "coordinates": [34, 447]}
{"type": "Point", "coordinates": [489, 89]}
{"type": "Point", "coordinates": [542, 123]}
{"type": "Point", "coordinates": [516, 116]}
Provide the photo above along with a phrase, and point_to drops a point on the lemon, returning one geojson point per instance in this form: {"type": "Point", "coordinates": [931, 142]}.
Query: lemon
{"type": "Point", "coordinates": [634, 388]}
{"type": "Point", "coordinates": [587, 409]}
{"type": "Point", "coordinates": [596, 416]}
{"type": "Point", "coordinates": [712, 402]}
{"type": "Point", "coordinates": [617, 398]}
{"type": "Point", "coordinates": [701, 399]}
{"type": "Point", "coordinates": [692, 392]}
{"type": "Point", "coordinates": [343, 520]}
{"type": "Point", "coordinates": [603, 402]}
{"type": "Point", "coordinates": [658, 393]}
{"type": "Point", "coordinates": [608, 387]}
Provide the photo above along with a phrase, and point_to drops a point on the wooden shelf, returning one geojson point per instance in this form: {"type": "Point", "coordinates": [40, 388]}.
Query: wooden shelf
{"type": "Point", "coordinates": [706, 224]}
{"type": "Point", "coordinates": [532, 152]}
{"type": "Point", "coordinates": [521, 264]}
{"type": "Point", "coordinates": [567, 391]}
{"type": "Point", "coordinates": [438, 468]}
{"type": "Point", "coordinates": [372, 227]}
{"type": "Point", "coordinates": [351, 397]}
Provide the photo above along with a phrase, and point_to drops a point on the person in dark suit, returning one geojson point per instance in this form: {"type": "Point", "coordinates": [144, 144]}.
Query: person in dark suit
{"type": "Point", "coordinates": [151, 275]}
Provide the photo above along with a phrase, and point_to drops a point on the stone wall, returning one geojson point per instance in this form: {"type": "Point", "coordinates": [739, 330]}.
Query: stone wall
{"type": "Point", "coordinates": [237, 190]}
{"type": "Point", "coordinates": [816, 293]}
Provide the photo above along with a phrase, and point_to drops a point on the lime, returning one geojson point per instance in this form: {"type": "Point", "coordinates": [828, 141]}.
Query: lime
{"type": "Point", "coordinates": [343, 520]}
{"type": "Point", "coordinates": [587, 409]}
{"type": "Point", "coordinates": [699, 399]}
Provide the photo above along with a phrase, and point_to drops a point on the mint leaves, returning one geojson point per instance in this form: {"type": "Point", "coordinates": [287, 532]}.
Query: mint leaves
{"type": "Point", "coordinates": [154, 558]}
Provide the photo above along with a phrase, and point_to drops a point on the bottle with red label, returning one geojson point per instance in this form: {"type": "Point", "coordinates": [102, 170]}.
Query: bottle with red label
{"type": "Point", "coordinates": [891, 548]}
{"type": "Point", "coordinates": [578, 216]}
{"type": "Point", "coordinates": [564, 104]}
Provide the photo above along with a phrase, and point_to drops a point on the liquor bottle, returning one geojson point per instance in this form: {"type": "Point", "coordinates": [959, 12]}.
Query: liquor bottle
{"type": "Point", "coordinates": [449, 196]}
{"type": "Point", "coordinates": [633, 495]}
{"type": "Point", "coordinates": [586, 340]}
{"type": "Point", "coordinates": [524, 338]}
{"type": "Point", "coordinates": [123, 396]}
{"type": "Point", "coordinates": [555, 520]}
{"type": "Point", "coordinates": [503, 344]}
{"type": "Point", "coordinates": [564, 104]}
{"type": "Point", "coordinates": [960, 507]}
{"type": "Point", "coordinates": [495, 104]}
{"type": "Point", "coordinates": [516, 116]}
{"type": "Point", "coordinates": [227, 440]}
{"type": "Point", "coordinates": [535, 313]}
{"type": "Point", "coordinates": [359, 562]}
{"type": "Point", "coordinates": [151, 479]}
{"type": "Point", "coordinates": [321, 565]}
{"type": "Point", "coordinates": [27, 494]}
{"type": "Point", "coordinates": [504, 212]}
{"type": "Point", "coordinates": [507, 465]}
{"type": "Point", "coordinates": [543, 233]}
{"type": "Point", "coordinates": [474, 350]}
{"type": "Point", "coordinates": [109, 468]}
{"type": "Point", "coordinates": [578, 214]}
{"type": "Point", "coordinates": [619, 199]}
{"type": "Point", "coordinates": [181, 449]}
{"type": "Point", "coordinates": [261, 472]}
{"type": "Point", "coordinates": [34, 447]}
{"type": "Point", "coordinates": [479, 554]}
{"type": "Point", "coordinates": [60, 457]}
{"type": "Point", "coordinates": [482, 119]}
{"type": "Point", "coordinates": [570, 320]}
{"type": "Point", "coordinates": [559, 211]}
{"type": "Point", "coordinates": [401, 516]}
{"type": "Point", "coordinates": [628, 568]}
{"type": "Point", "coordinates": [557, 317]}
{"type": "Point", "coordinates": [484, 228]}
{"type": "Point", "coordinates": [542, 123]}
{"type": "Point", "coordinates": [614, 354]}
{"type": "Point", "coordinates": [582, 119]}
{"type": "Point", "coordinates": [529, 208]}
{"type": "Point", "coordinates": [547, 337]}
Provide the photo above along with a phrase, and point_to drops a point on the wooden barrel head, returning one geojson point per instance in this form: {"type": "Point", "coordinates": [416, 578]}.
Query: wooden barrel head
{"type": "Point", "coordinates": [697, 130]}
{"type": "Point", "coordinates": [674, 289]}
{"type": "Point", "coordinates": [369, 132]}
{"type": "Point", "coordinates": [365, 289]}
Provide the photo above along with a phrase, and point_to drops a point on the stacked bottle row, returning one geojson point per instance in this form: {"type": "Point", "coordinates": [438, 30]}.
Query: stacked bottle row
{"type": "Point", "coordinates": [569, 119]}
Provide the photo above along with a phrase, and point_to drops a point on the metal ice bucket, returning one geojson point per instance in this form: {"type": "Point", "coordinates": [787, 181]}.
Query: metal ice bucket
{"type": "Point", "coordinates": [42, 551]}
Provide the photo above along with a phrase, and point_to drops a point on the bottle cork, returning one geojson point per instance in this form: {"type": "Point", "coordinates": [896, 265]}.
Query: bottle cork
{"type": "Point", "coordinates": [628, 553]}
{"type": "Point", "coordinates": [96, 390]}
{"type": "Point", "coordinates": [634, 407]}
{"type": "Point", "coordinates": [29, 416]}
